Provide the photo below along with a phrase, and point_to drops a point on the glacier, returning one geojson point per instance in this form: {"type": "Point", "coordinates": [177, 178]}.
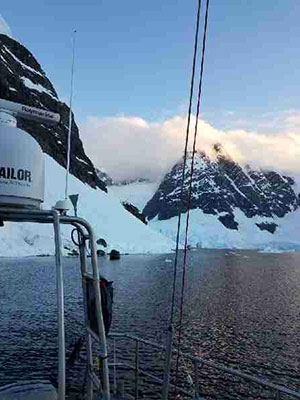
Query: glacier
{"type": "Point", "coordinates": [207, 232]}
{"type": "Point", "coordinates": [121, 230]}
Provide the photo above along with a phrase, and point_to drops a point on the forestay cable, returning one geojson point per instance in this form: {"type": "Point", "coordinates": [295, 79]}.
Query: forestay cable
{"type": "Point", "coordinates": [185, 158]}
{"type": "Point", "coordinates": [170, 329]}
{"type": "Point", "coordinates": [190, 192]}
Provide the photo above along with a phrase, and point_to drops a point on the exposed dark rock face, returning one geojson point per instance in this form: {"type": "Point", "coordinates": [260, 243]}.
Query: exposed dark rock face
{"type": "Point", "coordinates": [102, 242]}
{"type": "Point", "coordinates": [134, 211]}
{"type": "Point", "coordinates": [22, 80]}
{"type": "Point", "coordinates": [129, 181]}
{"type": "Point", "coordinates": [270, 227]}
{"type": "Point", "coordinates": [114, 255]}
{"type": "Point", "coordinates": [104, 177]}
{"type": "Point", "coordinates": [221, 186]}
{"type": "Point", "coordinates": [228, 221]}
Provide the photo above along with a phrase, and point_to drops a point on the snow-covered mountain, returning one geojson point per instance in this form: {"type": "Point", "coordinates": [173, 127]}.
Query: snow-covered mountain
{"type": "Point", "coordinates": [104, 177]}
{"type": "Point", "coordinates": [110, 220]}
{"type": "Point", "coordinates": [137, 193]}
{"type": "Point", "coordinates": [134, 195]}
{"type": "Point", "coordinates": [232, 206]}
{"type": "Point", "coordinates": [23, 80]}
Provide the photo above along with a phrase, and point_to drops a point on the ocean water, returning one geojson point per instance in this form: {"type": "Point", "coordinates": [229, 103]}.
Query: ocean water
{"type": "Point", "coordinates": [241, 309]}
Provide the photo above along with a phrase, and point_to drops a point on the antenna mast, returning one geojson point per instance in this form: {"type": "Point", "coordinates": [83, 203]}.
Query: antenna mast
{"type": "Point", "coordinates": [70, 120]}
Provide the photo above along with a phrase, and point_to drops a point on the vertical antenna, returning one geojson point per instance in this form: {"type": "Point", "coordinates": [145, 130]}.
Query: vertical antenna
{"type": "Point", "coordinates": [70, 120]}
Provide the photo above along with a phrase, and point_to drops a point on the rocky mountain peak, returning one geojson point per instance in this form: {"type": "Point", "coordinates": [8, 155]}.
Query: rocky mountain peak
{"type": "Point", "coordinates": [24, 81]}
{"type": "Point", "coordinates": [220, 187]}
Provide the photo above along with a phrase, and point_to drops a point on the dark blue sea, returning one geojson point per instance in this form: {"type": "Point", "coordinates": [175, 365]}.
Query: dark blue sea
{"type": "Point", "coordinates": [242, 309]}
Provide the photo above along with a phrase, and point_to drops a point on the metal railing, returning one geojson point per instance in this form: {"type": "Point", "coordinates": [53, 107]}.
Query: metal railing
{"type": "Point", "coordinates": [87, 234]}
{"type": "Point", "coordinates": [277, 390]}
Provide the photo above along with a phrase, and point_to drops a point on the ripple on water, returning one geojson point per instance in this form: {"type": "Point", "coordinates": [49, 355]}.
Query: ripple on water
{"type": "Point", "coordinates": [242, 311]}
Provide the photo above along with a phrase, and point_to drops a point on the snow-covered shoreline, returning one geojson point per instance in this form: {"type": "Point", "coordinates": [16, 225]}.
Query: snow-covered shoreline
{"type": "Point", "coordinates": [121, 230]}
{"type": "Point", "coordinates": [208, 233]}
{"type": "Point", "coordinates": [125, 233]}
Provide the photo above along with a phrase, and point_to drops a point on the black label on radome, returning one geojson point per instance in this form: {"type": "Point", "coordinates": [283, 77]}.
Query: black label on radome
{"type": "Point", "coordinates": [41, 113]}
{"type": "Point", "coordinates": [15, 174]}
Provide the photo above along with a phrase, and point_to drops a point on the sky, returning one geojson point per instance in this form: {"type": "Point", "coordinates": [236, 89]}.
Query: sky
{"type": "Point", "coordinates": [133, 63]}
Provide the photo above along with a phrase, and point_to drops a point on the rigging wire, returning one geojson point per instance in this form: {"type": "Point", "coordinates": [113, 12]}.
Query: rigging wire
{"type": "Point", "coordinates": [190, 193]}
{"type": "Point", "coordinates": [170, 328]}
{"type": "Point", "coordinates": [185, 159]}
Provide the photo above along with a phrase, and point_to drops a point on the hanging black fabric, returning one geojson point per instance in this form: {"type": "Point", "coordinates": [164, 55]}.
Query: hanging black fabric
{"type": "Point", "coordinates": [106, 290]}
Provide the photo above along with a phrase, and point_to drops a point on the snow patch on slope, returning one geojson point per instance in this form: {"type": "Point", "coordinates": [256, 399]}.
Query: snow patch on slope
{"type": "Point", "coordinates": [25, 66]}
{"type": "Point", "coordinates": [4, 28]}
{"type": "Point", "coordinates": [108, 217]}
{"type": "Point", "coordinates": [137, 193]}
{"type": "Point", "coordinates": [27, 82]}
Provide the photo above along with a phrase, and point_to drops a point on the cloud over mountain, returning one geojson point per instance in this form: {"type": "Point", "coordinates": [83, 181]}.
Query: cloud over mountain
{"type": "Point", "coordinates": [131, 147]}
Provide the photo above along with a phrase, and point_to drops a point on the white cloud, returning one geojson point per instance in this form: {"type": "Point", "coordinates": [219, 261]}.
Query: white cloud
{"type": "Point", "coordinates": [130, 147]}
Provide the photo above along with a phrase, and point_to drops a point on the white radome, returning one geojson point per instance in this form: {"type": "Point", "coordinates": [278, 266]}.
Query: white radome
{"type": "Point", "coordinates": [21, 169]}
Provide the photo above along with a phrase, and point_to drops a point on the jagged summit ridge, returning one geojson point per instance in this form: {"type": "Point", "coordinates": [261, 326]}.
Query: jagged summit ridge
{"type": "Point", "coordinates": [24, 81]}
{"type": "Point", "coordinates": [220, 187]}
